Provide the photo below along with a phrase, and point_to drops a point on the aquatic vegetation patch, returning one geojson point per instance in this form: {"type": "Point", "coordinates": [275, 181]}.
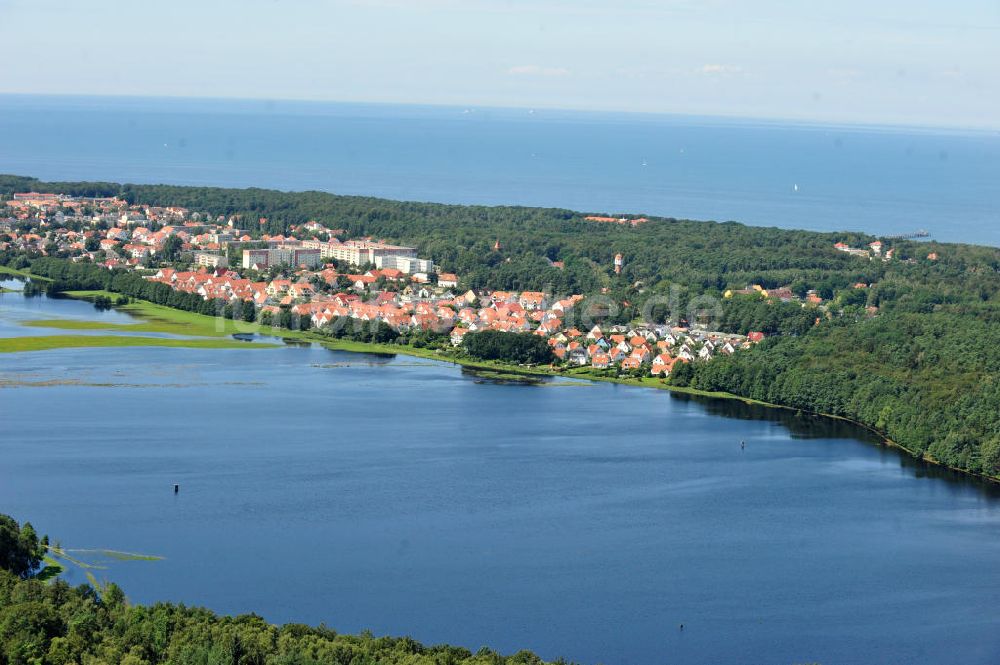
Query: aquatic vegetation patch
{"type": "Point", "coordinates": [366, 364]}
{"type": "Point", "coordinates": [57, 559]}
{"type": "Point", "coordinates": [49, 342]}
{"type": "Point", "coordinates": [117, 555]}
{"type": "Point", "coordinates": [52, 569]}
{"type": "Point", "coordinates": [51, 383]}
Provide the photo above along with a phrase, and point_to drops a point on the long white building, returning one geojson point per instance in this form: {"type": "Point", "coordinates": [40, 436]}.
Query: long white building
{"type": "Point", "coordinates": [381, 255]}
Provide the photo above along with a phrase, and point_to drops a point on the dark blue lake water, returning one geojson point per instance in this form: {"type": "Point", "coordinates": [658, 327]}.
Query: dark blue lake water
{"type": "Point", "coordinates": [880, 180]}
{"type": "Point", "coordinates": [584, 521]}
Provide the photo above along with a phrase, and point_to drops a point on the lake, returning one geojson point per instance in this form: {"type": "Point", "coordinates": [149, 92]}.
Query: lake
{"type": "Point", "coordinates": [882, 180]}
{"type": "Point", "coordinates": [580, 520]}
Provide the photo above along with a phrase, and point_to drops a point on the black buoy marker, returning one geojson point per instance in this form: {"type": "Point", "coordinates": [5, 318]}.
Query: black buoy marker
{"type": "Point", "coordinates": [177, 488]}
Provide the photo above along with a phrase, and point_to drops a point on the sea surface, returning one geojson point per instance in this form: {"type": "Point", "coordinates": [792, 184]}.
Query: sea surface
{"type": "Point", "coordinates": [402, 495]}
{"type": "Point", "coordinates": [882, 180]}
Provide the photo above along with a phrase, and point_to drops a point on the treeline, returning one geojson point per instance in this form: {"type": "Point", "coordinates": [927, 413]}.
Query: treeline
{"type": "Point", "coordinates": [701, 256]}
{"type": "Point", "coordinates": [70, 276]}
{"type": "Point", "coordinates": [695, 257]}
{"type": "Point", "coordinates": [521, 348]}
{"type": "Point", "coordinates": [928, 382]}
{"type": "Point", "coordinates": [52, 623]}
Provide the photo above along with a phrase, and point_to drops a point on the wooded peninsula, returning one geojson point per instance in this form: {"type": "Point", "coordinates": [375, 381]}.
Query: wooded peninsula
{"type": "Point", "coordinates": [899, 335]}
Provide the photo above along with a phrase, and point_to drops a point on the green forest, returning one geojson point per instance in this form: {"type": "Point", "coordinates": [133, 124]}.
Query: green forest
{"type": "Point", "coordinates": [907, 347]}
{"type": "Point", "coordinates": [48, 622]}
{"type": "Point", "coordinates": [521, 348]}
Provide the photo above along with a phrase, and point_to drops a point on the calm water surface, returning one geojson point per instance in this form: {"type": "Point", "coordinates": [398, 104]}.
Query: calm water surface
{"type": "Point", "coordinates": [581, 521]}
{"type": "Point", "coordinates": [880, 180]}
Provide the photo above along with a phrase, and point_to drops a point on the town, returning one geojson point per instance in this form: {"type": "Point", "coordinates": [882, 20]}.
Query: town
{"type": "Point", "coordinates": [319, 279]}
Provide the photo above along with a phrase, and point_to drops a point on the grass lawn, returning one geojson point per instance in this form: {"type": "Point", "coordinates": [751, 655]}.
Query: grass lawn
{"type": "Point", "coordinates": [158, 318]}
{"type": "Point", "coordinates": [48, 342]}
{"type": "Point", "coordinates": [4, 270]}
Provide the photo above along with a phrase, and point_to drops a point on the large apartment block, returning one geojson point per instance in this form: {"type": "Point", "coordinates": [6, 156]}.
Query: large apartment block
{"type": "Point", "coordinates": [281, 256]}
{"type": "Point", "coordinates": [210, 260]}
{"type": "Point", "coordinates": [408, 264]}
{"type": "Point", "coordinates": [358, 252]}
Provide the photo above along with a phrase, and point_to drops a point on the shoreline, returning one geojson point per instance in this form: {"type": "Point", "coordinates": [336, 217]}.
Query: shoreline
{"type": "Point", "coordinates": [167, 317]}
{"type": "Point", "coordinates": [24, 274]}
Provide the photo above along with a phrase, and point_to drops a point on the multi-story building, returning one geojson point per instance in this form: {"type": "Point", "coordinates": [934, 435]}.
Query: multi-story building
{"type": "Point", "coordinates": [411, 265]}
{"type": "Point", "coordinates": [296, 256]}
{"type": "Point", "coordinates": [257, 259]}
{"type": "Point", "coordinates": [210, 260]}
{"type": "Point", "coordinates": [38, 196]}
{"type": "Point", "coordinates": [281, 256]}
{"type": "Point", "coordinates": [359, 252]}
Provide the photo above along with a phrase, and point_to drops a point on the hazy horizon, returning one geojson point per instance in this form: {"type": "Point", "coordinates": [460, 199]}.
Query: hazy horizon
{"type": "Point", "coordinates": [291, 105]}
{"type": "Point", "coordinates": [886, 63]}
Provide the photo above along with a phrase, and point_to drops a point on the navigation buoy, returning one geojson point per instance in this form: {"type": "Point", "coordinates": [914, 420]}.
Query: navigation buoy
{"type": "Point", "coordinates": [177, 488]}
{"type": "Point", "coordinates": [743, 444]}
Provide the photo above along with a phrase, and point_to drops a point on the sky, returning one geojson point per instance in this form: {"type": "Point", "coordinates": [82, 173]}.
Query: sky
{"type": "Point", "coordinates": [910, 62]}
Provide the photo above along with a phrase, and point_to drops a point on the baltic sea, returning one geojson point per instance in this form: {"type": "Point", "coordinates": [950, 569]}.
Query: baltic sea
{"type": "Point", "coordinates": [882, 180]}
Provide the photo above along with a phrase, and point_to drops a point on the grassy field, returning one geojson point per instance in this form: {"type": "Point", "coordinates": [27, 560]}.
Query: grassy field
{"type": "Point", "coordinates": [48, 342]}
{"type": "Point", "coordinates": [158, 318]}
{"type": "Point", "coordinates": [74, 324]}
{"type": "Point", "coordinates": [4, 270]}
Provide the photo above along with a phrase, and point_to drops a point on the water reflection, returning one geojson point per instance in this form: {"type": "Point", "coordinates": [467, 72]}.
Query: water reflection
{"type": "Point", "coordinates": [802, 425]}
{"type": "Point", "coordinates": [12, 283]}
{"type": "Point", "coordinates": [481, 375]}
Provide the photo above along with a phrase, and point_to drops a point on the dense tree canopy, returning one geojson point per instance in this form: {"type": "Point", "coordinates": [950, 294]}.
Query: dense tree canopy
{"type": "Point", "coordinates": [510, 347]}
{"type": "Point", "coordinates": [21, 550]}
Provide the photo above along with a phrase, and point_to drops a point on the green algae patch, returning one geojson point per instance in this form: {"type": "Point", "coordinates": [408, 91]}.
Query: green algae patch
{"type": "Point", "coordinates": [49, 342]}
{"type": "Point", "coordinates": [116, 555]}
